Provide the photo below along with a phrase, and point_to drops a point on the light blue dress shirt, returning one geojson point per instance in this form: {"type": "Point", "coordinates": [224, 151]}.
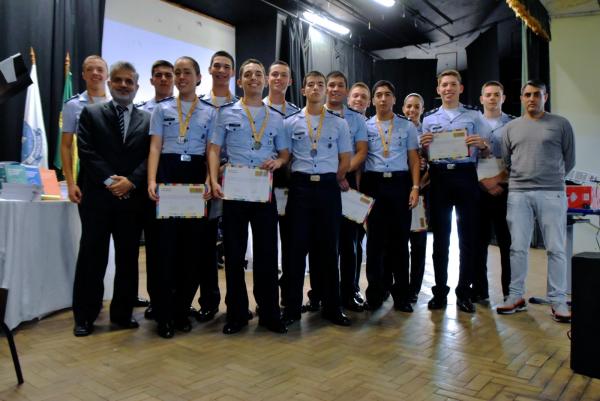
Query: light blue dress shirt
{"type": "Point", "coordinates": [335, 139]}
{"type": "Point", "coordinates": [234, 131]}
{"type": "Point", "coordinates": [404, 138]}
{"type": "Point", "coordinates": [438, 120]}
{"type": "Point", "coordinates": [356, 123]}
{"type": "Point", "coordinates": [290, 108]}
{"type": "Point", "coordinates": [165, 123]}
{"type": "Point", "coordinates": [72, 109]}
{"type": "Point", "coordinates": [495, 138]}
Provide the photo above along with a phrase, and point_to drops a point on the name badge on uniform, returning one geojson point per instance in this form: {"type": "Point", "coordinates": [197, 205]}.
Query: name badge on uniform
{"type": "Point", "coordinates": [181, 140]}
{"type": "Point", "coordinates": [186, 158]}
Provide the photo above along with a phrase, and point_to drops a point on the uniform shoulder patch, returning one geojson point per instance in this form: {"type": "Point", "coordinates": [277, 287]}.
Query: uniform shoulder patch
{"type": "Point", "coordinates": [293, 106]}
{"type": "Point", "coordinates": [471, 107]}
{"type": "Point", "coordinates": [293, 114]}
{"type": "Point", "coordinates": [275, 110]}
{"type": "Point", "coordinates": [430, 112]}
{"type": "Point", "coordinates": [165, 99]}
{"type": "Point", "coordinates": [220, 107]}
{"type": "Point", "coordinates": [75, 96]}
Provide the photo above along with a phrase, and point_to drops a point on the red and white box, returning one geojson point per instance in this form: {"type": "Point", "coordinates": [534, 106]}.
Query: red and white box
{"type": "Point", "coordinates": [579, 196]}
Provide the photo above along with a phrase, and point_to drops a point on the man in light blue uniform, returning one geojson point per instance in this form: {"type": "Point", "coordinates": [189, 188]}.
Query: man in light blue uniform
{"type": "Point", "coordinates": [254, 137]}
{"type": "Point", "coordinates": [337, 90]}
{"type": "Point", "coordinates": [321, 147]}
{"type": "Point", "coordinates": [162, 80]}
{"type": "Point", "coordinates": [391, 177]}
{"type": "Point", "coordinates": [494, 196]}
{"type": "Point", "coordinates": [454, 184]}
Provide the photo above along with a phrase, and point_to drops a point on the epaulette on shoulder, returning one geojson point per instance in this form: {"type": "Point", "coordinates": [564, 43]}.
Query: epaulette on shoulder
{"type": "Point", "coordinates": [430, 112]}
{"type": "Point", "coordinates": [472, 107]}
{"type": "Point", "coordinates": [165, 99]}
{"type": "Point", "coordinates": [293, 105]}
{"type": "Point", "coordinates": [222, 106]}
{"type": "Point", "coordinates": [274, 109]}
{"type": "Point", "coordinates": [333, 113]}
{"type": "Point", "coordinates": [293, 114]}
{"type": "Point", "coordinates": [400, 116]}
{"type": "Point", "coordinates": [353, 110]}
{"type": "Point", "coordinates": [75, 96]}
{"type": "Point", "coordinates": [206, 102]}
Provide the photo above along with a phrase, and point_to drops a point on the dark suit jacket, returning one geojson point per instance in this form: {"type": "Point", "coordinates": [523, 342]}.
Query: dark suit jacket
{"type": "Point", "coordinates": [102, 153]}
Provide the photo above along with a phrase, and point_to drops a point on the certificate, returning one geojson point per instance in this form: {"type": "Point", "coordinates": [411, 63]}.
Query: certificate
{"type": "Point", "coordinates": [449, 145]}
{"type": "Point", "coordinates": [181, 201]}
{"type": "Point", "coordinates": [281, 196]}
{"type": "Point", "coordinates": [247, 184]}
{"type": "Point", "coordinates": [488, 168]}
{"type": "Point", "coordinates": [356, 206]}
{"type": "Point", "coordinates": [419, 221]}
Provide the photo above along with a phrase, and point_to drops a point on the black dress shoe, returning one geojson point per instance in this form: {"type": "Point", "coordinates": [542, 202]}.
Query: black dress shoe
{"type": "Point", "coordinates": [205, 315]}
{"type": "Point", "coordinates": [371, 306]}
{"type": "Point", "coordinates": [437, 303]}
{"type": "Point", "coordinates": [412, 299]}
{"type": "Point", "coordinates": [481, 299]}
{"type": "Point", "coordinates": [289, 318]}
{"type": "Point", "coordinates": [193, 312]}
{"type": "Point", "coordinates": [403, 307]}
{"type": "Point", "coordinates": [353, 305]}
{"type": "Point", "coordinates": [83, 329]}
{"type": "Point", "coordinates": [359, 298]}
{"type": "Point", "coordinates": [465, 305]}
{"type": "Point", "coordinates": [149, 313]}
{"type": "Point", "coordinates": [276, 326]}
{"type": "Point", "coordinates": [338, 318]}
{"type": "Point", "coordinates": [311, 306]}
{"type": "Point", "coordinates": [130, 323]}
{"type": "Point", "coordinates": [183, 325]}
{"type": "Point", "coordinates": [141, 302]}
{"type": "Point", "coordinates": [234, 327]}
{"type": "Point", "coordinates": [165, 330]}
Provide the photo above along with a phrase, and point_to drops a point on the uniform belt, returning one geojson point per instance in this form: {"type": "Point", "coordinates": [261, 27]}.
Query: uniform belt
{"type": "Point", "coordinates": [387, 174]}
{"type": "Point", "coordinates": [451, 166]}
{"type": "Point", "coordinates": [305, 177]}
{"type": "Point", "coordinates": [178, 157]}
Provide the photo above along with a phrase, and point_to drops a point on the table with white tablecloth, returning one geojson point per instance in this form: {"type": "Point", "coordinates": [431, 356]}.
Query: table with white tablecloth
{"type": "Point", "coordinates": [39, 242]}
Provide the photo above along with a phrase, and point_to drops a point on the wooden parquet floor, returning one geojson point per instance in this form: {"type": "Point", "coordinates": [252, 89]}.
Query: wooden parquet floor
{"type": "Point", "coordinates": [388, 355]}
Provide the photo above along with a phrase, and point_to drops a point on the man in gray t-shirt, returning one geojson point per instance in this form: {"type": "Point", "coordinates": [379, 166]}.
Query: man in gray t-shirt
{"type": "Point", "coordinates": [539, 151]}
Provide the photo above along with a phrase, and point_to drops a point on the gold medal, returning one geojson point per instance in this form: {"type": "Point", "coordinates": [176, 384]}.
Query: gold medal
{"type": "Point", "coordinates": [314, 139]}
{"type": "Point", "coordinates": [385, 142]}
{"type": "Point", "coordinates": [183, 126]}
{"type": "Point", "coordinates": [256, 135]}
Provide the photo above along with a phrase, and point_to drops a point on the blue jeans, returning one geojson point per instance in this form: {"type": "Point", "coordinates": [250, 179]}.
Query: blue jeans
{"type": "Point", "coordinates": [550, 210]}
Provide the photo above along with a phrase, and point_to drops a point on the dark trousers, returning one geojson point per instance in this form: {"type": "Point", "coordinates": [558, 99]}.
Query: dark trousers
{"type": "Point", "coordinates": [457, 188]}
{"type": "Point", "coordinates": [284, 236]}
{"type": "Point", "coordinates": [98, 222]}
{"type": "Point", "coordinates": [262, 218]}
{"type": "Point", "coordinates": [418, 248]}
{"type": "Point", "coordinates": [314, 209]}
{"type": "Point", "coordinates": [492, 217]}
{"type": "Point", "coordinates": [359, 256]}
{"type": "Point", "coordinates": [388, 228]}
{"type": "Point", "coordinates": [210, 295]}
{"type": "Point", "coordinates": [181, 245]}
{"type": "Point", "coordinates": [151, 246]}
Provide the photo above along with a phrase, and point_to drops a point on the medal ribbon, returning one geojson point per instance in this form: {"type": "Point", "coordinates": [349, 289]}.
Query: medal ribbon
{"type": "Point", "coordinates": [256, 135]}
{"type": "Point", "coordinates": [282, 107]}
{"type": "Point", "coordinates": [386, 144]}
{"type": "Point", "coordinates": [183, 127]}
{"type": "Point", "coordinates": [314, 140]}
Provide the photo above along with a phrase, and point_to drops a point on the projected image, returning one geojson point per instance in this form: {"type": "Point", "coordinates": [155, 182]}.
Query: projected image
{"type": "Point", "coordinates": [142, 48]}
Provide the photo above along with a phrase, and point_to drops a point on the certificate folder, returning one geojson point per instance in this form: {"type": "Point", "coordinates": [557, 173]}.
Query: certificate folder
{"type": "Point", "coordinates": [183, 201]}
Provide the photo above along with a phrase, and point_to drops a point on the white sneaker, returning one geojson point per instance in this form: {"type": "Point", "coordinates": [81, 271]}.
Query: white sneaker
{"type": "Point", "coordinates": [512, 304]}
{"type": "Point", "coordinates": [561, 312]}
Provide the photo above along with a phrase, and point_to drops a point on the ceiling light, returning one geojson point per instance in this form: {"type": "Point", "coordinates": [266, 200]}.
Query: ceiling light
{"type": "Point", "coordinates": [387, 3]}
{"type": "Point", "coordinates": [325, 23]}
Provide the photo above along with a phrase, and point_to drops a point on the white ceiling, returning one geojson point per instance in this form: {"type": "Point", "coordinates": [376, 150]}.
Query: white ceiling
{"type": "Point", "coordinates": [564, 8]}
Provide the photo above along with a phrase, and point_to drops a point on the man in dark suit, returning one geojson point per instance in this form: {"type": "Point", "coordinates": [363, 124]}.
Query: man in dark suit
{"type": "Point", "coordinates": [113, 147]}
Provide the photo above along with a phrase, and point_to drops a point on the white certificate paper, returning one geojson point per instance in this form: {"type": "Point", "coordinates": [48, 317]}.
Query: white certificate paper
{"type": "Point", "coordinates": [181, 201]}
{"type": "Point", "coordinates": [356, 206]}
{"type": "Point", "coordinates": [419, 221]}
{"type": "Point", "coordinates": [281, 197]}
{"type": "Point", "coordinates": [247, 184]}
{"type": "Point", "coordinates": [449, 145]}
{"type": "Point", "coordinates": [488, 168]}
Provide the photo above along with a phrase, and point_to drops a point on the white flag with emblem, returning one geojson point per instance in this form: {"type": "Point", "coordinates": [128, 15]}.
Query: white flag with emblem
{"type": "Point", "coordinates": [34, 145]}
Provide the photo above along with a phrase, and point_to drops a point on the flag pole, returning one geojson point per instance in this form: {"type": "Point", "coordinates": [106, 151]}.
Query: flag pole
{"type": "Point", "coordinates": [32, 54]}
{"type": "Point", "coordinates": [67, 64]}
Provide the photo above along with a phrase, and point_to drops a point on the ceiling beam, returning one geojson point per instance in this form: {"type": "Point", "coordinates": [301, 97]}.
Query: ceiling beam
{"type": "Point", "coordinates": [438, 11]}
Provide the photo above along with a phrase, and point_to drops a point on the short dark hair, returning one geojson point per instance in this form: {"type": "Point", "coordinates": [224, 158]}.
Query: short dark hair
{"type": "Point", "coordinates": [160, 63]}
{"type": "Point", "coordinates": [280, 62]}
{"type": "Point", "coordinates": [381, 83]}
{"type": "Point", "coordinates": [535, 83]}
{"type": "Point", "coordinates": [250, 61]}
{"type": "Point", "coordinates": [452, 73]}
{"type": "Point", "coordinates": [313, 73]}
{"type": "Point", "coordinates": [337, 74]}
{"type": "Point", "coordinates": [194, 64]}
{"type": "Point", "coordinates": [222, 53]}
{"type": "Point", "coordinates": [492, 83]}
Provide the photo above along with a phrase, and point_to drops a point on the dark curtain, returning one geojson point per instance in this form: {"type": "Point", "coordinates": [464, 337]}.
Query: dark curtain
{"type": "Point", "coordinates": [538, 60]}
{"type": "Point", "coordinates": [408, 76]}
{"type": "Point", "coordinates": [292, 52]}
{"type": "Point", "coordinates": [52, 28]}
{"type": "Point", "coordinates": [483, 65]}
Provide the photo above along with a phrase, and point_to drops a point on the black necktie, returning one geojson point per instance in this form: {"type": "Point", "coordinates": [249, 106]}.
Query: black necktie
{"type": "Point", "coordinates": [121, 113]}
